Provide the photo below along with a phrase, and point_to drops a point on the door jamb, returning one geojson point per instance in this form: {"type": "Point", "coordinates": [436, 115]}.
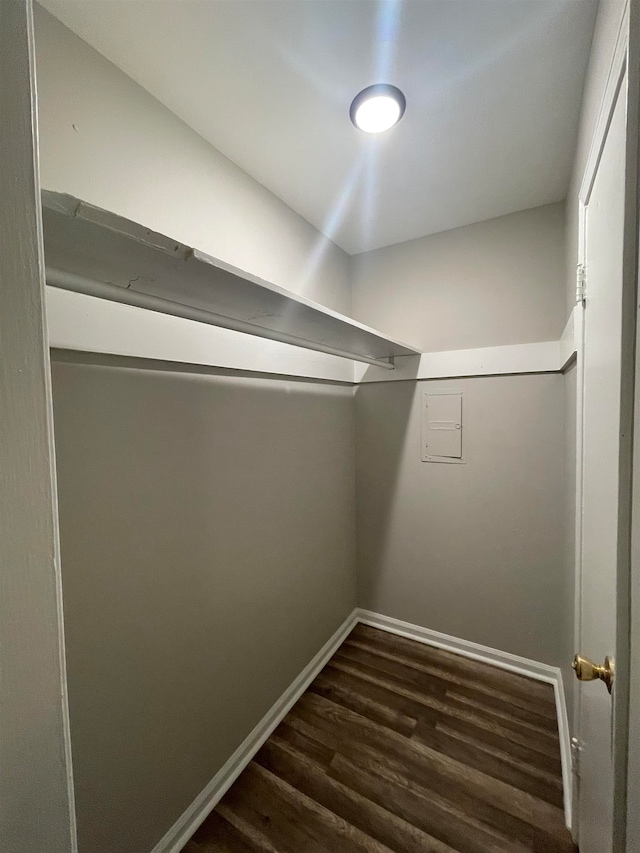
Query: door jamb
{"type": "Point", "coordinates": [38, 811]}
{"type": "Point", "coordinates": [627, 719]}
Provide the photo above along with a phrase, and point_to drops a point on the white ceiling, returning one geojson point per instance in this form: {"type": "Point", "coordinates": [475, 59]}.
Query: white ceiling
{"type": "Point", "coordinates": [493, 92]}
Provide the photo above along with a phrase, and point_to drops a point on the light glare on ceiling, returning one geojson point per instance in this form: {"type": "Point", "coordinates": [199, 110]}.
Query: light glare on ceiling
{"type": "Point", "coordinates": [377, 108]}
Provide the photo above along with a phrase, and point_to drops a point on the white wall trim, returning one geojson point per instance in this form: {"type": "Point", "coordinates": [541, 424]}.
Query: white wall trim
{"type": "Point", "coordinates": [542, 357]}
{"type": "Point", "coordinates": [36, 768]}
{"type": "Point", "coordinates": [83, 323]}
{"type": "Point", "coordinates": [475, 651]}
{"type": "Point", "coordinates": [503, 660]}
{"type": "Point", "coordinates": [568, 341]}
{"type": "Point", "coordinates": [182, 830]}
{"type": "Point", "coordinates": [566, 758]}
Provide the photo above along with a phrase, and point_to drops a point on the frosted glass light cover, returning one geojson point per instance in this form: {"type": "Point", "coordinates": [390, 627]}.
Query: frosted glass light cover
{"type": "Point", "coordinates": [377, 108]}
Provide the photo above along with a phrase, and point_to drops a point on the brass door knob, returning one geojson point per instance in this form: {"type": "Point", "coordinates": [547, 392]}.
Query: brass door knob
{"type": "Point", "coordinates": [587, 670]}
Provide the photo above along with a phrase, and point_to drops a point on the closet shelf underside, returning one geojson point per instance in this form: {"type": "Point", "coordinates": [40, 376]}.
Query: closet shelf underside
{"type": "Point", "coordinates": [96, 252]}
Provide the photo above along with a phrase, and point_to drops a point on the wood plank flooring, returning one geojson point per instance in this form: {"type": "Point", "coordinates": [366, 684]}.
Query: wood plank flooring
{"type": "Point", "coordinates": [399, 747]}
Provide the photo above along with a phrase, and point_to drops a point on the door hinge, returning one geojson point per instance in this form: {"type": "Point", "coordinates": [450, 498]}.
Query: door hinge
{"type": "Point", "coordinates": [581, 284]}
{"type": "Point", "coordinates": [576, 748]}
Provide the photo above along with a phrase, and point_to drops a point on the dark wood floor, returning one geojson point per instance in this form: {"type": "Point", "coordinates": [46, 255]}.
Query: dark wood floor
{"type": "Point", "coordinates": [398, 746]}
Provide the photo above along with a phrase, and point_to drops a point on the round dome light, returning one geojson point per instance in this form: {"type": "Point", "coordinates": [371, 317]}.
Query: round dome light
{"type": "Point", "coordinates": [377, 108]}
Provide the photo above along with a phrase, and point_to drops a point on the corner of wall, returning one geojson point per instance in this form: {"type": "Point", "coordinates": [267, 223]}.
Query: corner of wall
{"type": "Point", "coordinates": [156, 170]}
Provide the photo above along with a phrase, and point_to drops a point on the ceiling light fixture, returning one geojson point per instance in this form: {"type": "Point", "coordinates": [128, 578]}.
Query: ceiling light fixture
{"type": "Point", "coordinates": [377, 108]}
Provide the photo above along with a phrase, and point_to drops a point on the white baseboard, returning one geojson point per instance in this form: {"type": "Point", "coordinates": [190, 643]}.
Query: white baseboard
{"type": "Point", "coordinates": [566, 758]}
{"type": "Point", "coordinates": [182, 830]}
{"type": "Point", "coordinates": [504, 660]}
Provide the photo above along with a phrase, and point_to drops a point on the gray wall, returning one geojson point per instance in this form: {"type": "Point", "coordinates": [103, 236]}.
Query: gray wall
{"type": "Point", "coordinates": [492, 283]}
{"type": "Point", "coordinates": [207, 527]}
{"type": "Point", "coordinates": [106, 140]}
{"type": "Point", "coordinates": [471, 550]}
{"type": "Point", "coordinates": [207, 522]}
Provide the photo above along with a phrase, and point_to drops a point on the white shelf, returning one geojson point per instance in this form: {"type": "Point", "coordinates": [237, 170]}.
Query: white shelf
{"type": "Point", "coordinates": [101, 254]}
{"type": "Point", "coordinates": [84, 324]}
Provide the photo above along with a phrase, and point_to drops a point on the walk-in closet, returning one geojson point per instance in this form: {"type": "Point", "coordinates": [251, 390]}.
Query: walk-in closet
{"type": "Point", "coordinates": [318, 323]}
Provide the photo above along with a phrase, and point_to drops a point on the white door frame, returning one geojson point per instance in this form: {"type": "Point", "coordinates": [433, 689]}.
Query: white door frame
{"type": "Point", "coordinates": [620, 66]}
{"type": "Point", "coordinates": [37, 808]}
{"type": "Point", "coordinates": [630, 769]}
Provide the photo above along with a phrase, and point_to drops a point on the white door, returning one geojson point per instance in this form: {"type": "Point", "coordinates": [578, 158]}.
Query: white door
{"type": "Point", "coordinates": [601, 427]}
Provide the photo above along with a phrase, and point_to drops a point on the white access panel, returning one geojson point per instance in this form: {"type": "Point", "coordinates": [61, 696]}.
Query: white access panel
{"type": "Point", "coordinates": [442, 426]}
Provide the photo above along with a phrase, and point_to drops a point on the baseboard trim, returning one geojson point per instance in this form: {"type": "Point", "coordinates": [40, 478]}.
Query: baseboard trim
{"type": "Point", "coordinates": [503, 660]}
{"type": "Point", "coordinates": [564, 736]}
{"type": "Point", "coordinates": [182, 830]}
